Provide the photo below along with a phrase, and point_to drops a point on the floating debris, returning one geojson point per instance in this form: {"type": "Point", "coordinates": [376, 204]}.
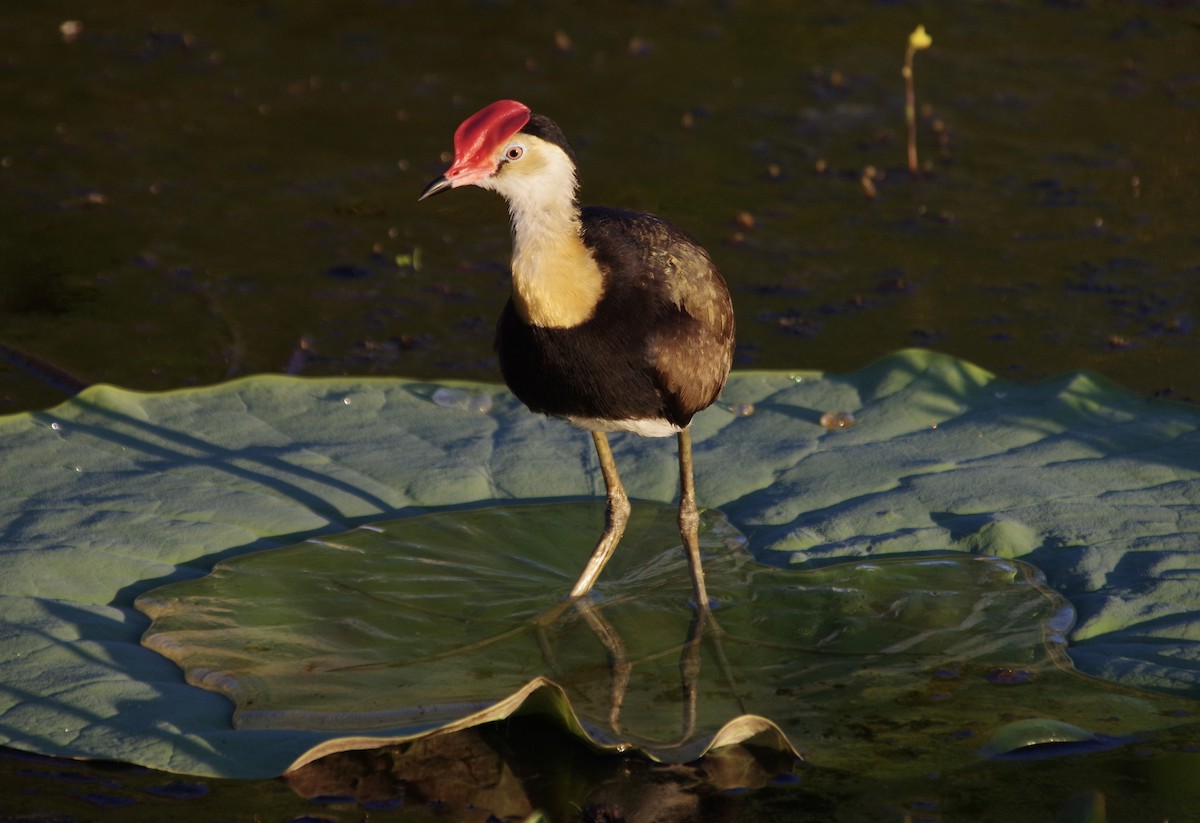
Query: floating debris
{"type": "Point", "coordinates": [70, 30]}
{"type": "Point", "coordinates": [298, 359]}
{"type": "Point", "coordinates": [869, 175]}
{"type": "Point", "coordinates": [412, 260]}
{"type": "Point", "coordinates": [837, 420]}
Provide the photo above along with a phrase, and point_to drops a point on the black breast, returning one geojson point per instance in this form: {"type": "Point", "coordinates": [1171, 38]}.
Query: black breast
{"type": "Point", "coordinates": [657, 346]}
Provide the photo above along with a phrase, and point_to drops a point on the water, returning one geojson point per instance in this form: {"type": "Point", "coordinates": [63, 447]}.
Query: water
{"type": "Point", "coordinates": [1150, 782]}
{"type": "Point", "coordinates": [463, 400]}
{"type": "Point", "coordinates": [198, 191]}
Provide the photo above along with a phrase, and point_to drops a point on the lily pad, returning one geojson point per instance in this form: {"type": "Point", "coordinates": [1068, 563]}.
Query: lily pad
{"type": "Point", "coordinates": [115, 493]}
{"type": "Point", "coordinates": [443, 621]}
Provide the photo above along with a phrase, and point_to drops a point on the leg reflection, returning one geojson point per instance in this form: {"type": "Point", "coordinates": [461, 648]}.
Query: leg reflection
{"type": "Point", "coordinates": [702, 627]}
{"type": "Point", "coordinates": [618, 659]}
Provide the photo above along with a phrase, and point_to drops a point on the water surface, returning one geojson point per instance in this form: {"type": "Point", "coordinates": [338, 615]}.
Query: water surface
{"type": "Point", "coordinates": [193, 192]}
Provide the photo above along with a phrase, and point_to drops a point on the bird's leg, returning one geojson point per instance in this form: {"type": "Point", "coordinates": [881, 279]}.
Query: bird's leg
{"type": "Point", "coordinates": [615, 517]}
{"type": "Point", "coordinates": [689, 518]}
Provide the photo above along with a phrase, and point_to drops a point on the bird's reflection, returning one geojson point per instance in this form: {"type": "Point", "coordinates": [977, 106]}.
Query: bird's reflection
{"type": "Point", "coordinates": [702, 627]}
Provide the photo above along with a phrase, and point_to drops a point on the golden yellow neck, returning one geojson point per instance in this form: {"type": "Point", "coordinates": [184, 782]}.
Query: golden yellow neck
{"type": "Point", "coordinates": [556, 282]}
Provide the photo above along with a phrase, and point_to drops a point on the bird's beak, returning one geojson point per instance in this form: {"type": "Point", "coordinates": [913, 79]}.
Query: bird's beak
{"type": "Point", "coordinates": [464, 171]}
{"type": "Point", "coordinates": [436, 186]}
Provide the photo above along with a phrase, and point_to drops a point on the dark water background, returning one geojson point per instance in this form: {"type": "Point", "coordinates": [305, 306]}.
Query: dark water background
{"type": "Point", "coordinates": [194, 191]}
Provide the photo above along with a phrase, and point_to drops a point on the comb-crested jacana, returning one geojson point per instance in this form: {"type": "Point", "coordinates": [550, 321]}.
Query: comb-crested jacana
{"type": "Point", "coordinates": [618, 320]}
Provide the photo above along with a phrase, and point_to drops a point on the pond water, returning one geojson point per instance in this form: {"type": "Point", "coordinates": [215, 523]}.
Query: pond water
{"type": "Point", "coordinates": [197, 191]}
{"type": "Point", "coordinates": [467, 776]}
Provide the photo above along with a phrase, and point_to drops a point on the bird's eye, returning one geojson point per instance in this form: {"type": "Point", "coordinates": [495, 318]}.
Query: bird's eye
{"type": "Point", "coordinates": [514, 153]}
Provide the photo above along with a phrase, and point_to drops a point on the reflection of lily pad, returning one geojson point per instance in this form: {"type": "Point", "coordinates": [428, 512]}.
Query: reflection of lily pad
{"type": "Point", "coordinates": [447, 620]}
{"type": "Point", "coordinates": [115, 492]}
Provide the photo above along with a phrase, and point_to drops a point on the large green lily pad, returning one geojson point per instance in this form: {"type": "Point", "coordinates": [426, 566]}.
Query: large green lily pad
{"type": "Point", "coordinates": [115, 493]}
{"type": "Point", "coordinates": [443, 621]}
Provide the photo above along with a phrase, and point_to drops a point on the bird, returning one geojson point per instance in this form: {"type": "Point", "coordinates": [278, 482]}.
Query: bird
{"type": "Point", "coordinates": [618, 320]}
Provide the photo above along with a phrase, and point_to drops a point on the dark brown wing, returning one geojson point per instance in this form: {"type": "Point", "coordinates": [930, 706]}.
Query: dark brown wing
{"type": "Point", "coordinates": [689, 343]}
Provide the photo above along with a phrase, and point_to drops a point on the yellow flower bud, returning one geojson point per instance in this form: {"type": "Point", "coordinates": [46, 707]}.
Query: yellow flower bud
{"type": "Point", "coordinates": [919, 39]}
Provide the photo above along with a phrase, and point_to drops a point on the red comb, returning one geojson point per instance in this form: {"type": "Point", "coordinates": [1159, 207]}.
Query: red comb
{"type": "Point", "coordinates": [481, 134]}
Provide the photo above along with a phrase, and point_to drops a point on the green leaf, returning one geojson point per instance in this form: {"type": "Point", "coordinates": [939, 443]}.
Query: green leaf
{"type": "Point", "coordinates": [114, 493]}
{"type": "Point", "coordinates": [443, 621]}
